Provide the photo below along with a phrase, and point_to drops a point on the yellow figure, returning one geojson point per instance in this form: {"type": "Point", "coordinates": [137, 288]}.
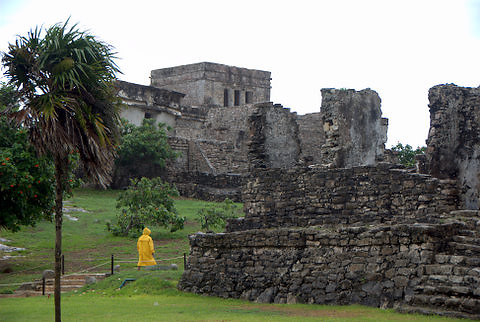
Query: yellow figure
{"type": "Point", "coordinates": [145, 249]}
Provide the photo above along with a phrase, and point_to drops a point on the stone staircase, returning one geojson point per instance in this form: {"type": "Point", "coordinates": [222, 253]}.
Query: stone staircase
{"type": "Point", "coordinates": [68, 283]}
{"type": "Point", "coordinates": [450, 285]}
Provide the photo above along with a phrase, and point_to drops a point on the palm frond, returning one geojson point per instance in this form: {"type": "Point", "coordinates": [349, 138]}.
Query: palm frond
{"type": "Point", "coordinates": [66, 83]}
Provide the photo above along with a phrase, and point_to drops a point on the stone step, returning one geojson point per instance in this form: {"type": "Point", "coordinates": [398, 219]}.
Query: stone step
{"type": "Point", "coordinates": [464, 289]}
{"type": "Point", "coordinates": [468, 232]}
{"type": "Point", "coordinates": [64, 288]}
{"type": "Point", "coordinates": [466, 213]}
{"type": "Point", "coordinates": [465, 249]}
{"type": "Point", "coordinates": [436, 311]}
{"type": "Point", "coordinates": [470, 240]}
{"type": "Point", "coordinates": [462, 304]}
{"type": "Point", "coordinates": [460, 277]}
{"type": "Point", "coordinates": [68, 283]}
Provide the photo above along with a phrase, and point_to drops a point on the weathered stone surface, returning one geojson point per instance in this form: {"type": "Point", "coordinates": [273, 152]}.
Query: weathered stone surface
{"type": "Point", "coordinates": [48, 273]}
{"type": "Point", "coordinates": [90, 280]}
{"type": "Point", "coordinates": [273, 137]}
{"type": "Point", "coordinates": [453, 144]}
{"type": "Point", "coordinates": [355, 133]}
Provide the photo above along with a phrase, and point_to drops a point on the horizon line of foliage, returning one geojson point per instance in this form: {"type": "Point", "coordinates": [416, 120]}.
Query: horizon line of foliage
{"type": "Point", "coordinates": [146, 202]}
{"type": "Point", "coordinates": [406, 154]}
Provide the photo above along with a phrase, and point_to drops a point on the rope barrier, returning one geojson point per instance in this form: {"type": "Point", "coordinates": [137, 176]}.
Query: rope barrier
{"type": "Point", "coordinates": [13, 284]}
{"type": "Point", "coordinates": [31, 269]}
{"type": "Point", "coordinates": [136, 261]}
{"type": "Point", "coordinates": [84, 270]}
{"type": "Point", "coordinates": [87, 269]}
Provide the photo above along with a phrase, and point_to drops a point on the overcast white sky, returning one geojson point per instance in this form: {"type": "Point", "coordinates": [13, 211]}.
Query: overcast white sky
{"type": "Point", "coordinates": [398, 48]}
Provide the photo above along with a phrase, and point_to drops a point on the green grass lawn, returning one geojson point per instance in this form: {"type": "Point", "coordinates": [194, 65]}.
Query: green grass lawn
{"type": "Point", "coordinates": [86, 243]}
{"type": "Point", "coordinates": [153, 295]}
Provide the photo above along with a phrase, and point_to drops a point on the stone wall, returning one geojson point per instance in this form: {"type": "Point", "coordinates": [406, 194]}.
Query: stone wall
{"type": "Point", "coordinates": [383, 266]}
{"type": "Point", "coordinates": [206, 186]}
{"type": "Point", "coordinates": [355, 133]}
{"type": "Point", "coordinates": [304, 197]}
{"type": "Point", "coordinates": [453, 144]}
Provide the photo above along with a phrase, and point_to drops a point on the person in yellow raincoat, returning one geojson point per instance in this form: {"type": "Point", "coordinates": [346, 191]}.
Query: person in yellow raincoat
{"type": "Point", "coordinates": [145, 249]}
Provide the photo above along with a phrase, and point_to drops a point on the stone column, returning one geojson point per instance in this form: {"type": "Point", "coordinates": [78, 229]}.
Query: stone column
{"type": "Point", "coordinates": [453, 144]}
{"type": "Point", "coordinates": [355, 133]}
{"type": "Point", "coordinates": [273, 137]}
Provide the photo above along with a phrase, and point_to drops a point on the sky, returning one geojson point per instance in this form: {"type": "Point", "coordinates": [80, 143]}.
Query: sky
{"type": "Point", "coordinates": [400, 49]}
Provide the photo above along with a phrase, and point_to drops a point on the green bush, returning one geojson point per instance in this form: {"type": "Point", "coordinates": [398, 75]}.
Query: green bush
{"type": "Point", "coordinates": [146, 202]}
{"type": "Point", "coordinates": [216, 216]}
{"type": "Point", "coordinates": [146, 145]}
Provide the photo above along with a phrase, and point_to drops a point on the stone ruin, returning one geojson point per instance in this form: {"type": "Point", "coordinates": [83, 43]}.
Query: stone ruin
{"type": "Point", "coordinates": [330, 218]}
{"type": "Point", "coordinates": [208, 107]}
{"type": "Point", "coordinates": [352, 228]}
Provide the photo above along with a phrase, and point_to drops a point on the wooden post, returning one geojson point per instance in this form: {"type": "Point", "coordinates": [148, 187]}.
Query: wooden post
{"type": "Point", "coordinates": [43, 285]}
{"type": "Point", "coordinates": [111, 268]}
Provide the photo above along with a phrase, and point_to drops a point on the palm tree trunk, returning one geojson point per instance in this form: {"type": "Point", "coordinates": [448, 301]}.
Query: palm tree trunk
{"type": "Point", "coordinates": [60, 170]}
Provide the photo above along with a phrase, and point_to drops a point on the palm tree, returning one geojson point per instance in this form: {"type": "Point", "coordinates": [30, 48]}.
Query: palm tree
{"type": "Point", "coordinates": [65, 83]}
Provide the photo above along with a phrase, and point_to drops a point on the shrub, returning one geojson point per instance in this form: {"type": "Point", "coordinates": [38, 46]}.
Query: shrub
{"type": "Point", "coordinates": [216, 216]}
{"type": "Point", "coordinates": [146, 202]}
{"type": "Point", "coordinates": [146, 144]}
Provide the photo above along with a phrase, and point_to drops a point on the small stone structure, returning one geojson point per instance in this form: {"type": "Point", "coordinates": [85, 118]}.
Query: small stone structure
{"type": "Point", "coordinates": [211, 84]}
{"type": "Point", "coordinates": [148, 102]}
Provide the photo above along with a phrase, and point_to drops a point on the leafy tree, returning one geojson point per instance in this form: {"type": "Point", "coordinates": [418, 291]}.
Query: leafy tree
{"type": "Point", "coordinates": [26, 181]}
{"type": "Point", "coordinates": [146, 202]}
{"type": "Point", "coordinates": [406, 154]}
{"type": "Point", "coordinates": [216, 216]}
{"type": "Point", "coordinates": [142, 147]}
{"type": "Point", "coordinates": [65, 83]}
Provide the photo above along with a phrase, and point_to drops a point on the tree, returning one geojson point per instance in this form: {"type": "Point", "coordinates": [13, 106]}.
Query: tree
{"type": "Point", "coordinates": [147, 202]}
{"type": "Point", "coordinates": [406, 154]}
{"type": "Point", "coordinates": [142, 148]}
{"type": "Point", "coordinates": [26, 181]}
{"type": "Point", "coordinates": [65, 84]}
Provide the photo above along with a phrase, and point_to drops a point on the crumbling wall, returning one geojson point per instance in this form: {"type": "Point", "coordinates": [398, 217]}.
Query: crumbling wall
{"type": "Point", "coordinates": [274, 137]}
{"type": "Point", "coordinates": [304, 197]}
{"type": "Point", "coordinates": [453, 144]}
{"type": "Point", "coordinates": [312, 137]}
{"type": "Point", "coordinates": [354, 131]}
